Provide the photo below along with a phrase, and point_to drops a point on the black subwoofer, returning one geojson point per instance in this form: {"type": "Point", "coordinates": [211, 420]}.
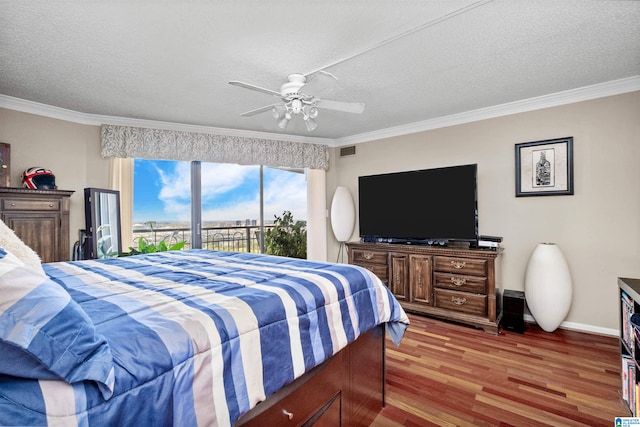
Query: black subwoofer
{"type": "Point", "coordinates": [513, 311]}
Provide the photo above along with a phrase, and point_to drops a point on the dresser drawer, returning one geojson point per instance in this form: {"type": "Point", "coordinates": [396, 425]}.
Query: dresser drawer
{"type": "Point", "coordinates": [9, 204]}
{"type": "Point", "coordinates": [472, 267]}
{"type": "Point", "coordinates": [460, 282]}
{"type": "Point", "coordinates": [321, 394]}
{"type": "Point", "coordinates": [362, 257]}
{"type": "Point", "coordinates": [461, 301]}
{"type": "Point", "coordinates": [379, 270]}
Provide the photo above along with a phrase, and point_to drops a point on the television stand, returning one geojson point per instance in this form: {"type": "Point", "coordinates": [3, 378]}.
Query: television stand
{"type": "Point", "coordinates": [448, 282]}
{"type": "Point", "coordinates": [458, 245]}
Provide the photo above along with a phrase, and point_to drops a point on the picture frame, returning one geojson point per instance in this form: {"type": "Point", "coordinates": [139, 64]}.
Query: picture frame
{"type": "Point", "coordinates": [544, 168]}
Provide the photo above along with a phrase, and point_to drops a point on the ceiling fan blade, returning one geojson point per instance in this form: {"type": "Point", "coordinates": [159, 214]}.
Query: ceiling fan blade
{"type": "Point", "coordinates": [319, 82]}
{"type": "Point", "coordinates": [254, 87]}
{"type": "Point", "coordinates": [259, 110]}
{"type": "Point", "coordinates": [347, 107]}
{"type": "Point", "coordinates": [320, 73]}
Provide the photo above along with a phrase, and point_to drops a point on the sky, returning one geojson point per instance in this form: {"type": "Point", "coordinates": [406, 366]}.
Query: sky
{"type": "Point", "coordinates": [229, 192]}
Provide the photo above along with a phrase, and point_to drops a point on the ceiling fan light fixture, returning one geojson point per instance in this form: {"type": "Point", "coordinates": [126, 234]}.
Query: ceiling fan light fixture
{"type": "Point", "coordinates": [277, 111]}
{"type": "Point", "coordinates": [296, 106]}
{"type": "Point", "coordinates": [295, 101]}
{"type": "Point", "coordinates": [282, 124]}
{"type": "Point", "coordinates": [311, 124]}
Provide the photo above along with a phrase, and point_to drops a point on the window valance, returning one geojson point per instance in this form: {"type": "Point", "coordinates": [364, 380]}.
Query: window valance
{"type": "Point", "coordinates": [136, 142]}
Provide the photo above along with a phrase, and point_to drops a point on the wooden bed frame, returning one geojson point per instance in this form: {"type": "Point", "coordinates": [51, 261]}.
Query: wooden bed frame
{"type": "Point", "coordinates": [346, 390]}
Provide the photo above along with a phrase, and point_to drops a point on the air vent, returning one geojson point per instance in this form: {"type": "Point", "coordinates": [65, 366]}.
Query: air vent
{"type": "Point", "coordinates": [348, 151]}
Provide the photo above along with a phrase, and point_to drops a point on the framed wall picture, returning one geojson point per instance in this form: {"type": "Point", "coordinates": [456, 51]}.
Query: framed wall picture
{"type": "Point", "coordinates": [544, 168]}
{"type": "Point", "coordinates": [5, 164]}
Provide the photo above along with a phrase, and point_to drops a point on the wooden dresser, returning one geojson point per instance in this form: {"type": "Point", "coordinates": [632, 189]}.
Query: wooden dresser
{"type": "Point", "coordinates": [450, 283]}
{"type": "Point", "coordinates": [40, 218]}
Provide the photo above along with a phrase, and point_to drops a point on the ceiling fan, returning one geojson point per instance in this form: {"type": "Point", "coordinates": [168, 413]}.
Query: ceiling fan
{"type": "Point", "coordinates": [294, 102]}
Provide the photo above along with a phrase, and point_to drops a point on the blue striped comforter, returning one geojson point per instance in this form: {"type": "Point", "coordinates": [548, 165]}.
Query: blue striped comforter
{"type": "Point", "coordinates": [200, 337]}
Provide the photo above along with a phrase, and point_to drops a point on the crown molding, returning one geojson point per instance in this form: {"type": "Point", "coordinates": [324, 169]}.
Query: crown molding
{"type": "Point", "coordinates": [50, 111]}
{"type": "Point", "coordinates": [601, 90]}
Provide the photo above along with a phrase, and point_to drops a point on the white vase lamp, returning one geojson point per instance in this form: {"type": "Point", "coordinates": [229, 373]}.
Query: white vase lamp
{"type": "Point", "coordinates": [547, 286]}
{"type": "Point", "coordinates": [343, 216]}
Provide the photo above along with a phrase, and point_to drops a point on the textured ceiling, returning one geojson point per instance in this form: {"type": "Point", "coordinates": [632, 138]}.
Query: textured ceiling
{"type": "Point", "coordinates": [408, 61]}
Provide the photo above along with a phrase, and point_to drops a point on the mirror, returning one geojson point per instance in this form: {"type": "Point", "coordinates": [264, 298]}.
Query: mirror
{"type": "Point", "coordinates": [102, 216]}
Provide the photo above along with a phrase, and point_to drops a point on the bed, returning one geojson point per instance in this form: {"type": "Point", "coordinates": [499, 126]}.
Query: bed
{"type": "Point", "coordinates": [192, 337]}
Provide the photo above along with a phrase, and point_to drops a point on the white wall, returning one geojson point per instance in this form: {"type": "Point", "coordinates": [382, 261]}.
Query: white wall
{"type": "Point", "coordinates": [70, 150]}
{"type": "Point", "coordinates": [598, 228]}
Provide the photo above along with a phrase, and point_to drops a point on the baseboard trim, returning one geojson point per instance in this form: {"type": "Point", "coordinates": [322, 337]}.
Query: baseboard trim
{"type": "Point", "coordinates": [581, 327]}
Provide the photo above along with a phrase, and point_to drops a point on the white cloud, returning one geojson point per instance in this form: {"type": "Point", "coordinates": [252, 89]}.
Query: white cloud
{"type": "Point", "coordinates": [176, 183]}
{"type": "Point", "coordinates": [288, 191]}
{"type": "Point", "coordinates": [283, 191]}
{"type": "Point", "coordinates": [220, 178]}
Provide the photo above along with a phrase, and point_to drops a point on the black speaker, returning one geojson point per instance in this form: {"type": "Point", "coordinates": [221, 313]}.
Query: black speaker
{"type": "Point", "coordinates": [513, 311]}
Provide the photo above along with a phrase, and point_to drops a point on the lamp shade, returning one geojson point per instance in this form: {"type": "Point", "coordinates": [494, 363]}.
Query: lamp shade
{"type": "Point", "coordinates": [343, 214]}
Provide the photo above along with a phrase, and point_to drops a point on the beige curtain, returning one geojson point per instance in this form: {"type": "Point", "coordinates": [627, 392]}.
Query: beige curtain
{"type": "Point", "coordinates": [316, 215]}
{"type": "Point", "coordinates": [121, 179]}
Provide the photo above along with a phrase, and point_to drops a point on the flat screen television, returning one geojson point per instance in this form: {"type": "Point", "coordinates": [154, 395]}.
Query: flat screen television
{"type": "Point", "coordinates": [429, 206]}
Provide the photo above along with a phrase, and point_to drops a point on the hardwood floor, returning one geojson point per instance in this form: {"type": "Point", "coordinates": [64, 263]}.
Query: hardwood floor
{"type": "Point", "coordinates": [444, 374]}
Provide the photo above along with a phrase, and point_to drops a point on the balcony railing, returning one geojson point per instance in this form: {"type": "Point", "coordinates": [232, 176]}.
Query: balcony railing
{"type": "Point", "coordinates": [242, 238]}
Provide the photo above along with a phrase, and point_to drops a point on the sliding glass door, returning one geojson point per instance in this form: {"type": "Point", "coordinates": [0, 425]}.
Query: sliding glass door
{"type": "Point", "coordinates": [213, 205]}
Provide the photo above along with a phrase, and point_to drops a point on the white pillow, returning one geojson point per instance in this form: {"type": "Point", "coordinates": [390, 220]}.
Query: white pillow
{"type": "Point", "coordinates": [12, 244]}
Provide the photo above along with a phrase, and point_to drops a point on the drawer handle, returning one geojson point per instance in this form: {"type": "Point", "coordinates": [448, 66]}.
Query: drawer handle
{"type": "Point", "coordinates": [50, 205]}
{"type": "Point", "coordinates": [13, 204]}
{"type": "Point", "coordinates": [458, 301]}
{"type": "Point", "coordinates": [287, 414]}
{"type": "Point", "coordinates": [458, 264]}
{"type": "Point", "coordinates": [367, 255]}
{"type": "Point", "coordinates": [458, 281]}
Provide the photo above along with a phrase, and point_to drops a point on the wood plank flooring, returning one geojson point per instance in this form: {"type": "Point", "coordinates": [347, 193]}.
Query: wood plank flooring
{"type": "Point", "coordinates": [444, 374]}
